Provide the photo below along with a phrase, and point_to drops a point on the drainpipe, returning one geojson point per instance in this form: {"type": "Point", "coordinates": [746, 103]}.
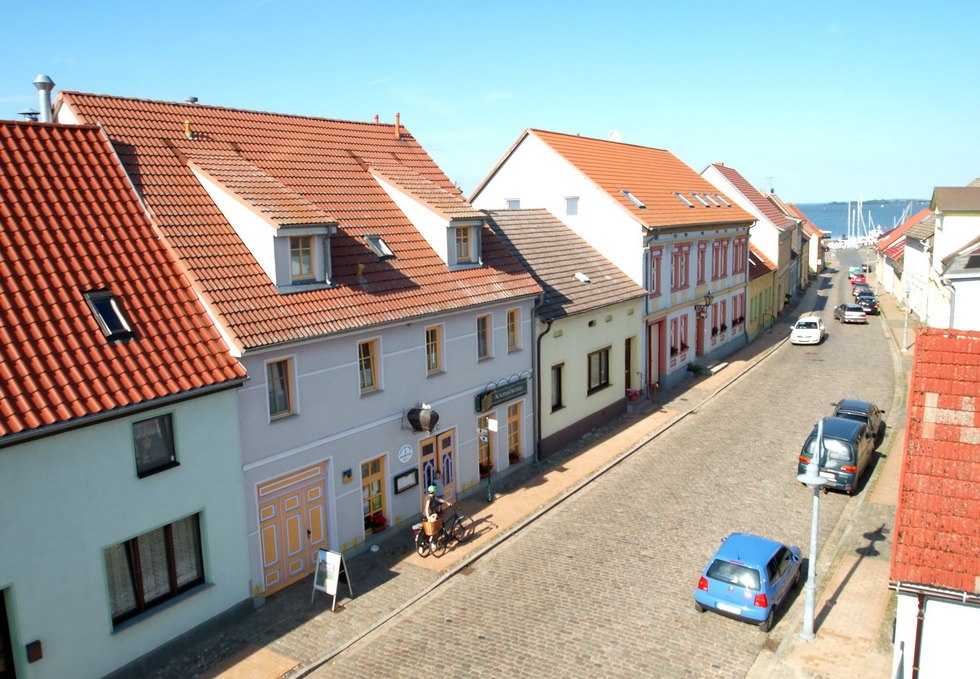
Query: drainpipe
{"type": "Point", "coordinates": [919, 619]}
{"type": "Point", "coordinates": [537, 390]}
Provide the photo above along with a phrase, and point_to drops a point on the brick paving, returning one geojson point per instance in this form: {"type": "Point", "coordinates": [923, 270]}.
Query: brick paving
{"type": "Point", "coordinates": [852, 603]}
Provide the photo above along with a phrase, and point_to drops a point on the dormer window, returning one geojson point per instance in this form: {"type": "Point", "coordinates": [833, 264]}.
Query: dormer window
{"type": "Point", "coordinates": [379, 247]}
{"type": "Point", "coordinates": [464, 245]}
{"type": "Point", "coordinates": [302, 257]}
{"type": "Point", "coordinates": [109, 315]}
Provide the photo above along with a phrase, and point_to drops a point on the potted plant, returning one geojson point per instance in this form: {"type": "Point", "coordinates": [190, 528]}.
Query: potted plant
{"type": "Point", "coordinates": [632, 394]}
{"type": "Point", "coordinates": [683, 347]}
{"type": "Point", "coordinates": [714, 331]}
{"type": "Point", "coordinates": [724, 327]}
{"type": "Point", "coordinates": [673, 351]}
{"type": "Point", "coordinates": [485, 469]}
{"type": "Point", "coordinates": [514, 456]}
{"type": "Point", "coordinates": [376, 522]}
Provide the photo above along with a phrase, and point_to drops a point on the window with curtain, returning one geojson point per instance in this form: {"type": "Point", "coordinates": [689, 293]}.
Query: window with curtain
{"type": "Point", "coordinates": [151, 568]}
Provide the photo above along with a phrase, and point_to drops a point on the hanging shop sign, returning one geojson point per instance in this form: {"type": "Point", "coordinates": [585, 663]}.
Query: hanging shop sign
{"type": "Point", "coordinates": [488, 398]}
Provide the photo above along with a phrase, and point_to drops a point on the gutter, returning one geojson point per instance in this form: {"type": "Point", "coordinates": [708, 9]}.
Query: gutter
{"type": "Point", "coordinates": [116, 413]}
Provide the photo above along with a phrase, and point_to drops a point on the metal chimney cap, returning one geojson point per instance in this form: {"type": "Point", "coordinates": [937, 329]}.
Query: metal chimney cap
{"type": "Point", "coordinates": [30, 114]}
{"type": "Point", "coordinates": [43, 83]}
{"type": "Point", "coordinates": [191, 100]}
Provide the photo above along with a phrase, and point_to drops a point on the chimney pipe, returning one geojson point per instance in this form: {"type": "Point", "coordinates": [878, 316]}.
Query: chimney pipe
{"type": "Point", "coordinates": [377, 119]}
{"type": "Point", "coordinates": [398, 126]}
{"type": "Point", "coordinates": [44, 85]}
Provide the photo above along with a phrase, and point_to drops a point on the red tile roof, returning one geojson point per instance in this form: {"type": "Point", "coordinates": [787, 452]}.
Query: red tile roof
{"type": "Point", "coordinates": [651, 175]}
{"type": "Point", "coordinates": [555, 254]}
{"type": "Point", "coordinates": [72, 224]}
{"type": "Point", "coordinates": [887, 240]}
{"type": "Point", "coordinates": [759, 264]}
{"type": "Point", "coordinates": [770, 211]}
{"type": "Point", "coordinates": [937, 524]}
{"type": "Point", "coordinates": [306, 169]}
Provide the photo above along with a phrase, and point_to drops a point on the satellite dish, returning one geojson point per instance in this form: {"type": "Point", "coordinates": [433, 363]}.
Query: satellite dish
{"type": "Point", "coordinates": [614, 135]}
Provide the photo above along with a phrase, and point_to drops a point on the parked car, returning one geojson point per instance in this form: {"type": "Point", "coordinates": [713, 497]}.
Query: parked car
{"type": "Point", "coordinates": [851, 270]}
{"type": "Point", "coordinates": [807, 330]}
{"type": "Point", "coordinates": [850, 313]}
{"type": "Point", "coordinates": [860, 289]}
{"type": "Point", "coordinates": [862, 411]}
{"type": "Point", "coordinates": [866, 268]}
{"type": "Point", "coordinates": [848, 446]}
{"type": "Point", "coordinates": [868, 302]}
{"type": "Point", "coordinates": [857, 277]}
{"type": "Point", "coordinates": [748, 578]}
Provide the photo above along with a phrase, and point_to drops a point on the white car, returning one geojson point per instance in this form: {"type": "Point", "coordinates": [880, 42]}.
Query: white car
{"type": "Point", "coordinates": [807, 330]}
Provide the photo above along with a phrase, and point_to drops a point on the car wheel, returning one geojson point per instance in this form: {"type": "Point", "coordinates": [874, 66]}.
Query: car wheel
{"type": "Point", "coordinates": [766, 624]}
{"type": "Point", "coordinates": [698, 607]}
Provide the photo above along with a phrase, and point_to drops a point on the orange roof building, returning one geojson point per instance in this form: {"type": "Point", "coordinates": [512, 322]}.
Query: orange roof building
{"type": "Point", "coordinates": [657, 220]}
{"type": "Point", "coordinates": [118, 416]}
{"type": "Point", "coordinates": [360, 289]}
{"type": "Point", "coordinates": [935, 562]}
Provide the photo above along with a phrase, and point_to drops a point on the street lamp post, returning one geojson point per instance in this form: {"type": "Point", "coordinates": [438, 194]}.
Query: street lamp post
{"type": "Point", "coordinates": [814, 481]}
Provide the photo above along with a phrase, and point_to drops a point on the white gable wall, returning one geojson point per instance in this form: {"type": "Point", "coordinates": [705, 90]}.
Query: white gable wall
{"type": "Point", "coordinates": [540, 178]}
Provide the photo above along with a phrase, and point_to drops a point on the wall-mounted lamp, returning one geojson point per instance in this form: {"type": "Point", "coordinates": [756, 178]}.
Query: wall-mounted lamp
{"type": "Point", "coordinates": [708, 297]}
{"type": "Point", "coordinates": [422, 418]}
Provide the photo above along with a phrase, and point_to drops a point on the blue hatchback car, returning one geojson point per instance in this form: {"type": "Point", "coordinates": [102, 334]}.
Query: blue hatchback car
{"type": "Point", "coordinates": [748, 578]}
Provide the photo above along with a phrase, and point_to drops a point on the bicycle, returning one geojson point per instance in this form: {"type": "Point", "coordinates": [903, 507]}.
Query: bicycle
{"type": "Point", "coordinates": [458, 528]}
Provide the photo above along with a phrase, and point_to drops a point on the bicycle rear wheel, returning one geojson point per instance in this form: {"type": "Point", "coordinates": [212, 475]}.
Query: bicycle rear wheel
{"type": "Point", "coordinates": [462, 529]}
{"type": "Point", "coordinates": [422, 544]}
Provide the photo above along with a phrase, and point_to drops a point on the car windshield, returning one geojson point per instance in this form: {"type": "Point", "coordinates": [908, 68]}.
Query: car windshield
{"type": "Point", "coordinates": [806, 325]}
{"type": "Point", "coordinates": [836, 450]}
{"type": "Point", "coordinates": [734, 574]}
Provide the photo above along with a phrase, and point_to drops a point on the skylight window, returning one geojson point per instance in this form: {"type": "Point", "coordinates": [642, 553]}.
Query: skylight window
{"type": "Point", "coordinates": [722, 199]}
{"type": "Point", "coordinates": [700, 199]}
{"type": "Point", "coordinates": [684, 200]}
{"type": "Point", "coordinates": [379, 247]}
{"type": "Point", "coordinates": [110, 317]}
{"type": "Point", "coordinates": [713, 201]}
{"type": "Point", "coordinates": [633, 199]}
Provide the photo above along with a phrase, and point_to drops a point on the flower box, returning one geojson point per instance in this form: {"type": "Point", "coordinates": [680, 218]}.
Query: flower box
{"type": "Point", "coordinates": [485, 470]}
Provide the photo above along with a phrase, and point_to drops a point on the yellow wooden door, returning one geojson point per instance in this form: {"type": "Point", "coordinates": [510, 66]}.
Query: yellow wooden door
{"type": "Point", "coordinates": [292, 525]}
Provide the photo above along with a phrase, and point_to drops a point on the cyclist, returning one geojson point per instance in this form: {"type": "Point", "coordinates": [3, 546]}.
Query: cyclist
{"type": "Point", "coordinates": [432, 504]}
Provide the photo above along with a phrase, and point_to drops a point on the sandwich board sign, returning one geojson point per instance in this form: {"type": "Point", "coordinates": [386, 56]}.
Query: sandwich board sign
{"type": "Point", "coordinates": [330, 567]}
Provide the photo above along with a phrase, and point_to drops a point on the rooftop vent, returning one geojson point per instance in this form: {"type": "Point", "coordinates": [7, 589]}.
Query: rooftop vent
{"type": "Point", "coordinates": [191, 100]}
{"type": "Point", "coordinates": [44, 85]}
{"type": "Point", "coordinates": [582, 278]}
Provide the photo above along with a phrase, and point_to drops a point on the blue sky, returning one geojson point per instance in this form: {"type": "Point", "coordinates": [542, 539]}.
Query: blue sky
{"type": "Point", "coordinates": [821, 101]}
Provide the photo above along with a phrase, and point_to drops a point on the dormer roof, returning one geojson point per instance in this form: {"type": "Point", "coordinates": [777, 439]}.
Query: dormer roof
{"type": "Point", "coordinates": [98, 317]}
{"type": "Point", "coordinates": [297, 168]}
{"type": "Point", "coordinates": [652, 185]}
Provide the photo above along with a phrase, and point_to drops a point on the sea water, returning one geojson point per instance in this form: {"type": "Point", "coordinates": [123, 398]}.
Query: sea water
{"type": "Point", "coordinates": [884, 215]}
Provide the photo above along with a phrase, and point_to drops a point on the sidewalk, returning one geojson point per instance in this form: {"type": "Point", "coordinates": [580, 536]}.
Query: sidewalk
{"type": "Point", "coordinates": [289, 636]}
